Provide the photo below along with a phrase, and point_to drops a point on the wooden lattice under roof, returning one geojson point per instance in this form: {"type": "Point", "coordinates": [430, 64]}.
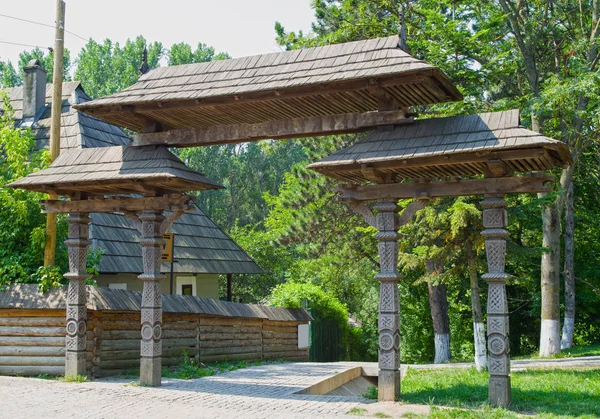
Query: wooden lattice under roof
{"type": "Point", "coordinates": [466, 145]}
{"type": "Point", "coordinates": [116, 170]}
{"type": "Point", "coordinates": [330, 80]}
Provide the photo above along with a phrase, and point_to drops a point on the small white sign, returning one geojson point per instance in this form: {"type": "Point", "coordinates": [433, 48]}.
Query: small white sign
{"type": "Point", "coordinates": [303, 330]}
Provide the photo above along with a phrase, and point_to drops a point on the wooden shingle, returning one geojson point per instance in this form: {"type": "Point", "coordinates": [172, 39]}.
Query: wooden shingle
{"type": "Point", "coordinates": [454, 146]}
{"type": "Point", "coordinates": [252, 84]}
{"type": "Point", "coordinates": [116, 170]}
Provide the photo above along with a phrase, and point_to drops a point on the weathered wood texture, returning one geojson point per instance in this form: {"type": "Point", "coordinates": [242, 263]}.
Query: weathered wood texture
{"type": "Point", "coordinates": [328, 80]}
{"type": "Point", "coordinates": [116, 170]}
{"type": "Point", "coordinates": [441, 188]}
{"type": "Point", "coordinates": [33, 345]}
{"type": "Point", "coordinates": [491, 144]}
{"type": "Point", "coordinates": [289, 128]}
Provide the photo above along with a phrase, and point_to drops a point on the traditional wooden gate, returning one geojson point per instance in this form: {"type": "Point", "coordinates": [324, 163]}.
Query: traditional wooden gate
{"type": "Point", "coordinates": [344, 88]}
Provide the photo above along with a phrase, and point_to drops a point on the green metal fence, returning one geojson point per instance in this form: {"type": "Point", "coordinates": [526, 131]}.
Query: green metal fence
{"type": "Point", "coordinates": [326, 339]}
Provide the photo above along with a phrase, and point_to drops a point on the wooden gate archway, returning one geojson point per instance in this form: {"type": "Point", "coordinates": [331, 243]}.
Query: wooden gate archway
{"type": "Point", "coordinates": [348, 88]}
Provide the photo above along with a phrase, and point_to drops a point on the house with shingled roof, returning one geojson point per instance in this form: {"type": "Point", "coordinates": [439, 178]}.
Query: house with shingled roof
{"type": "Point", "coordinates": [201, 250]}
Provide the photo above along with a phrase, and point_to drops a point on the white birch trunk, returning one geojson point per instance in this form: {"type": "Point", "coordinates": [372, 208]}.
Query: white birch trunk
{"type": "Point", "coordinates": [480, 349]}
{"type": "Point", "coordinates": [442, 348]}
{"type": "Point", "coordinates": [567, 333]}
{"type": "Point", "coordinates": [550, 338]}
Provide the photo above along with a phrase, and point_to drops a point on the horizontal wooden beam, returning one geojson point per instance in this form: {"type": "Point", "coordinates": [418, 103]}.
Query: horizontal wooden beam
{"type": "Point", "coordinates": [120, 204]}
{"type": "Point", "coordinates": [436, 189]}
{"type": "Point", "coordinates": [289, 128]}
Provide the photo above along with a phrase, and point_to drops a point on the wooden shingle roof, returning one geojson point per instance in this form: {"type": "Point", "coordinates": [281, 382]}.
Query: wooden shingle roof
{"type": "Point", "coordinates": [116, 170]}
{"type": "Point", "coordinates": [454, 146]}
{"type": "Point", "coordinates": [199, 246]}
{"type": "Point", "coordinates": [328, 80]}
{"type": "Point", "coordinates": [28, 296]}
{"type": "Point", "coordinates": [78, 130]}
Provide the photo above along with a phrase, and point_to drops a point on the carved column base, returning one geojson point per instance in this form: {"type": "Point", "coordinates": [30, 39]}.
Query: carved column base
{"type": "Point", "coordinates": [389, 385]}
{"type": "Point", "coordinates": [150, 371]}
{"type": "Point", "coordinates": [75, 363]}
{"type": "Point", "coordinates": [499, 390]}
{"type": "Point", "coordinates": [151, 344]}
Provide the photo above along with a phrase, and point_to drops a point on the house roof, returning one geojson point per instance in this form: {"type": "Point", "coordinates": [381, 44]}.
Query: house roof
{"type": "Point", "coordinates": [199, 246]}
{"type": "Point", "coordinates": [327, 80]}
{"type": "Point", "coordinates": [453, 146]}
{"type": "Point", "coordinates": [115, 170]}
{"type": "Point", "coordinates": [78, 130]}
{"type": "Point", "coordinates": [28, 296]}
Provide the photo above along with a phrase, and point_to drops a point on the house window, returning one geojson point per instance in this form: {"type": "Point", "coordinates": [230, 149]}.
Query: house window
{"type": "Point", "coordinates": [187, 289]}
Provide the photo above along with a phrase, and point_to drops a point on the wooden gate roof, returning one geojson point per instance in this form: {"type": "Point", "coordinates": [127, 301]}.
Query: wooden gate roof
{"type": "Point", "coordinates": [455, 146]}
{"type": "Point", "coordinates": [328, 80]}
{"type": "Point", "coordinates": [116, 170]}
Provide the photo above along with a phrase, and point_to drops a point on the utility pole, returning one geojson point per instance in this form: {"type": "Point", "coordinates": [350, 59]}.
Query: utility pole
{"type": "Point", "coordinates": [57, 77]}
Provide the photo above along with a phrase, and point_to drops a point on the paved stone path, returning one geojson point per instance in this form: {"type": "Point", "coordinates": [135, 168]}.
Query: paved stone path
{"type": "Point", "coordinates": [257, 392]}
{"type": "Point", "coordinates": [266, 391]}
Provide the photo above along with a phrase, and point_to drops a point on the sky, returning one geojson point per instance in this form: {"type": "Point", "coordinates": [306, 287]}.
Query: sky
{"type": "Point", "coordinates": [238, 27]}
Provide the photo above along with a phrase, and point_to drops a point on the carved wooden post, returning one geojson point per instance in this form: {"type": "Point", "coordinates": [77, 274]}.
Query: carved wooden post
{"type": "Point", "coordinates": [151, 345]}
{"type": "Point", "coordinates": [495, 220]}
{"type": "Point", "coordinates": [77, 244]}
{"type": "Point", "coordinates": [389, 304]}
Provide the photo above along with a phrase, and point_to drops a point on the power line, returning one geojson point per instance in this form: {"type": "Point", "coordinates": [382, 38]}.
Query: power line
{"type": "Point", "coordinates": [23, 45]}
{"type": "Point", "coordinates": [41, 24]}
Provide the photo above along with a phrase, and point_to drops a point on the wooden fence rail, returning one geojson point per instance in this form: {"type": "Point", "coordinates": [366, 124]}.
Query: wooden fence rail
{"type": "Point", "coordinates": [32, 332]}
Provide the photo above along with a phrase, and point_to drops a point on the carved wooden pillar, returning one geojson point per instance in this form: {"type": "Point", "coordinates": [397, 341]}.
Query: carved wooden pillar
{"type": "Point", "coordinates": [77, 244]}
{"type": "Point", "coordinates": [151, 345]}
{"type": "Point", "coordinates": [495, 220]}
{"type": "Point", "coordinates": [389, 305]}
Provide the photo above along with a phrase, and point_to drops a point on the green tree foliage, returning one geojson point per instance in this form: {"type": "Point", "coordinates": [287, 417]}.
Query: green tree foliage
{"type": "Point", "coordinates": [8, 75]}
{"type": "Point", "coordinates": [247, 171]}
{"type": "Point", "coordinates": [272, 259]}
{"type": "Point", "coordinates": [21, 220]}
{"type": "Point", "coordinates": [46, 59]}
{"type": "Point", "coordinates": [182, 53]}
{"type": "Point", "coordinates": [298, 295]}
{"type": "Point", "coordinates": [107, 67]}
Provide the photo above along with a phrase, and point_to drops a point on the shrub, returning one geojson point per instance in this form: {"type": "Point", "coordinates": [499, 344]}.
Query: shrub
{"type": "Point", "coordinates": [295, 295]}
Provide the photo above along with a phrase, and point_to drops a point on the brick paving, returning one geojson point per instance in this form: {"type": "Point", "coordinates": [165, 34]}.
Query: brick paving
{"type": "Point", "coordinates": [266, 391]}
{"type": "Point", "coordinates": [257, 392]}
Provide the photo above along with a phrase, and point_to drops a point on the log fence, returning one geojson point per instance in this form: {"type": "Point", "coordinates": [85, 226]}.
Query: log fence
{"type": "Point", "coordinates": [32, 332]}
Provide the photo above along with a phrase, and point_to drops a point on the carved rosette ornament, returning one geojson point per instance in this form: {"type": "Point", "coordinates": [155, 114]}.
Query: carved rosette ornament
{"type": "Point", "coordinates": [387, 222]}
{"type": "Point", "coordinates": [151, 330]}
{"type": "Point", "coordinates": [495, 220]}
{"type": "Point", "coordinates": [77, 245]}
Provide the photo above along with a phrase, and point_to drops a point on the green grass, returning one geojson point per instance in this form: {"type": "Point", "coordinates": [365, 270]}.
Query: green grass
{"type": "Point", "coordinates": [571, 393]}
{"type": "Point", "coordinates": [189, 369]}
{"type": "Point", "coordinates": [357, 411]}
{"type": "Point", "coordinates": [74, 378]}
{"type": "Point", "coordinates": [574, 352]}
{"type": "Point", "coordinates": [372, 393]}
{"type": "Point", "coordinates": [381, 415]}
